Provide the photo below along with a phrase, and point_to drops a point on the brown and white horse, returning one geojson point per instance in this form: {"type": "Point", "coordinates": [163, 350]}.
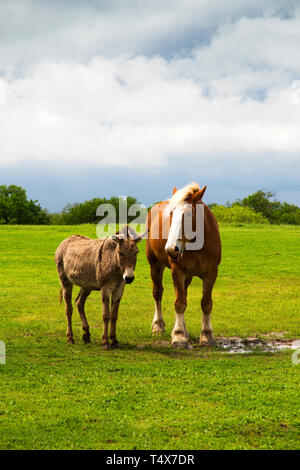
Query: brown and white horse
{"type": "Point", "coordinates": [169, 245]}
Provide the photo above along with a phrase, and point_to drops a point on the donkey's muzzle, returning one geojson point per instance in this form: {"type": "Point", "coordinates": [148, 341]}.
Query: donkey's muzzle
{"type": "Point", "coordinates": [129, 279]}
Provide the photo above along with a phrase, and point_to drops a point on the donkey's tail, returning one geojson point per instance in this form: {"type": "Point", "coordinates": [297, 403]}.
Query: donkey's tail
{"type": "Point", "coordinates": [60, 296]}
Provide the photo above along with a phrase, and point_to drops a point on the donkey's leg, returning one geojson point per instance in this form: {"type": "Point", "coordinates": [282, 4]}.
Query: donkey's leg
{"type": "Point", "coordinates": [80, 301]}
{"type": "Point", "coordinates": [206, 337]}
{"type": "Point", "coordinates": [67, 295]}
{"type": "Point", "coordinates": [179, 333]}
{"type": "Point", "coordinates": [157, 271]}
{"type": "Point", "coordinates": [115, 303]}
{"type": "Point", "coordinates": [106, 318]}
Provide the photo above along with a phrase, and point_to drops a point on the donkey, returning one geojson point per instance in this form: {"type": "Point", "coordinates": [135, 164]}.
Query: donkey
{"type": "Point", "coordinates": [104, 264]}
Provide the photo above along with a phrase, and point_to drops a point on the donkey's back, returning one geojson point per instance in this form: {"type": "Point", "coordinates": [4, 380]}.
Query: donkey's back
{"type": "Point", "coordinates": [77, 259]}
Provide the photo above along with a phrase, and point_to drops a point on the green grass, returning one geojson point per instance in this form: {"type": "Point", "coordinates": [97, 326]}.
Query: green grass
{"type": "Point", "coordinates": [146, 395]}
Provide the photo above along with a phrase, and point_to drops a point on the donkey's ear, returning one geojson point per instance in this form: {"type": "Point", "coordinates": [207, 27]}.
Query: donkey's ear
{"type": "Point", "coordinates": [141, 236]}
{"type": "Point", "coordinates": [198, 195]}
{"type": "Point", "coordinates": [116, 239]}
{"type": "Point", "coordinates": [174, 190]}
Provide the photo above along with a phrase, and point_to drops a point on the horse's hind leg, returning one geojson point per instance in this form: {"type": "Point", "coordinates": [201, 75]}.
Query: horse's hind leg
{"type": "Point", "coordinates": [80, 301]}
{"type": "Point", "coordinates": [157, 271]}
{"type": "Point", "coordinates": [67, 295]}
{"type": "Point", "coordinates": [206, 337]}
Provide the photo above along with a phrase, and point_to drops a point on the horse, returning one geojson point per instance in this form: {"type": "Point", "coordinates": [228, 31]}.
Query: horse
{"type": "Point", "coordinates": [169, 245]}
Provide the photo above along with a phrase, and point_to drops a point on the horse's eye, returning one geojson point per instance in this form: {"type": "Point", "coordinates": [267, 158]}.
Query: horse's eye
{"type": "Point", "coordinates": [121, 254]}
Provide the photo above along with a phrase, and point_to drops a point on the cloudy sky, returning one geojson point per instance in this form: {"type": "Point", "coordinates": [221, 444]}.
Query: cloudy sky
{"type": "Point", "coordinates": [135, 96]}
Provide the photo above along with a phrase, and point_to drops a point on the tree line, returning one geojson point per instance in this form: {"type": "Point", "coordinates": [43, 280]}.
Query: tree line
{"type": "Point", "coordinates": [259, 207]}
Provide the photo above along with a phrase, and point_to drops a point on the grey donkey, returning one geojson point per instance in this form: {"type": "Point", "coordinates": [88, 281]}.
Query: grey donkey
{"type": "Point", "coordinates": [103, 264]}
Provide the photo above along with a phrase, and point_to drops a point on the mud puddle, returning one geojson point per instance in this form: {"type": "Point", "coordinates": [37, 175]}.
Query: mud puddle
{"type": "Point", "coordinates": [235, 345]}
{"type": "Point", "coordinates": [270, 342]}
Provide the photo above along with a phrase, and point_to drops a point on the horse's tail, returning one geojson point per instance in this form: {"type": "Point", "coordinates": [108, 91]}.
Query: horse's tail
{"type": "Point", "coordinates": [60, 296]}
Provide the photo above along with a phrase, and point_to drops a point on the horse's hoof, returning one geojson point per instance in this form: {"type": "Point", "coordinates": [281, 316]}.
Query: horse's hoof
{"type": "Point", "coordinates": [86, 338]}
{"type": "Point", "coordinates": [158, 327]}
{"type": "Point", "coordinates": [207, 340]}
{"type": "Point", "coordinates": [71, 341]}
{"type": "Point", "coordinates": [106, 347]}
{"type": "Point", "coordinates": [115, 345]}
{"type": "Point", "coordinates": [180, 342]}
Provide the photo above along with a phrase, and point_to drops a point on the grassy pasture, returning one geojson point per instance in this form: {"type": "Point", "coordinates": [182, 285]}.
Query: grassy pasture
{"type": "Point", "coordinates": [146, 395]}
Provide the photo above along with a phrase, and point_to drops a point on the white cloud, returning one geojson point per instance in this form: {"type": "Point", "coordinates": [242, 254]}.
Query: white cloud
{"type": "Point", "coordinates": [81, 98]}
{"type": "Point", "coordinates": [31, 30]}
{"type": "Point", "coordinates": [2, 92]}
{"type": "Point", "coordinates": [138, 111]}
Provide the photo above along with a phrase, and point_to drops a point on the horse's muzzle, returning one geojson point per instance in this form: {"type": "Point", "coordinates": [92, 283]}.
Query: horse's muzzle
{"type": "Point", "coordinates": [173, 251]}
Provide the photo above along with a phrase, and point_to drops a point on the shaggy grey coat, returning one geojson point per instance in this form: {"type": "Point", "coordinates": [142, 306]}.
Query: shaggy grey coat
{"type": "Point", "coordinates": [105, 264]}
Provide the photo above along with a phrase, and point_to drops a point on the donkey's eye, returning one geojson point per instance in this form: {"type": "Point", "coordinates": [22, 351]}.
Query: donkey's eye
{"type": "Point", "coordinates": [121, 254]}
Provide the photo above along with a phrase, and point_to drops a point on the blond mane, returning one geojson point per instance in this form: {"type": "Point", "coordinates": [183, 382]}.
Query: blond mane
{"type": "Point", "coordinates": [182, 194]}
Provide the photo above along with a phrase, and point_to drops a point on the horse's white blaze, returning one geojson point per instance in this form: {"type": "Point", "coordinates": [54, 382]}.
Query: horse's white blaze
{"type": "Point", "coordinates": [175, 232]}
{"type": "Point", "coordinates": [175, 229]}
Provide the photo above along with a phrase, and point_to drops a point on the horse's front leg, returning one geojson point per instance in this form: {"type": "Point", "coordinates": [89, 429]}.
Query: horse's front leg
{"type": "Point", "coordinates": [157, 271]}
{"type": "Point", "coordinates": [179, 333]}
{"type": "Point", "coordinates": [207, 337]}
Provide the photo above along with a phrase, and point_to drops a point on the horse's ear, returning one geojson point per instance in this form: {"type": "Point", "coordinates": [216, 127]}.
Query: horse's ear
{"type": "Point", "coordinates": [198, 195]}
{"type": "Point", "coordinates": [174, 190]}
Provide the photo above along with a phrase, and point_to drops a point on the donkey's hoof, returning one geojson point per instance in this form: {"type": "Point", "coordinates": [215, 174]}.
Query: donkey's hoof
{"type": "Point", "coordinates": [106, 346]}
{"type": "Point", "coordinates": [158, 327]}
{"type": "Point", "coordinates": [86, 338]}
{"type": "Point", "coordinates": [207, 339]}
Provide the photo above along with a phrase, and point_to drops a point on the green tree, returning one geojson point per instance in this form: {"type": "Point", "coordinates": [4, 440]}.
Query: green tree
{"type": "Point", "coordinates": [238, 214]}
{"type": "Point", "coordinates": [276, 212]}
{"type": "Point", "coordinates": [85, 212]}
{"type": "Point", "coordinates": [260, 202]}
{"type": "Point", "coordinates": [15, 208]}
